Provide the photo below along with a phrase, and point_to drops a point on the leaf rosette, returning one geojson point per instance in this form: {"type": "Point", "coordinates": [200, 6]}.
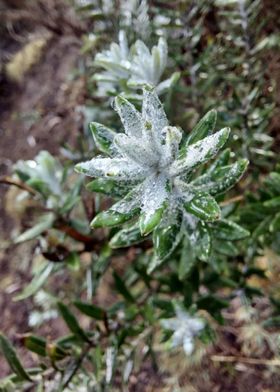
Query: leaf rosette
{"type": "Point", "coordinates": [153, 162]}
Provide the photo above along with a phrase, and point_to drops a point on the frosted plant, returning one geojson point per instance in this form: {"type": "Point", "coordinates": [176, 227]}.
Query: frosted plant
{"type": "Point", "coordinates": [44, 169]}
{"type": "Point", "coordinates": [185, 328]}
{"type": "Point", "coordinates": [153, 169]}
{"type": "Point", "coordinates": [116, 62]}
{"type": "Point", "coordinates": [47, 176]}
{"type": "Point", "coordinates": [136, 13]}
{"type": "Point", "coordinates": [48, 181]}
{"type": "Point", "coordinates": [148, 67]}
{"type": "Point", "coordinates": [133, 67]}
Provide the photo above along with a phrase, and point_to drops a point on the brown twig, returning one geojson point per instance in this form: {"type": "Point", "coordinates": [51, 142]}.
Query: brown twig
{"type": "Point", "coordinates": [249, 361]}
{"type": "Point", "coordinates": [232, 200]}
{"type": "Point", "coordinates": [73, 233]}
{"type": "Point", "coordinates": [11, 181]}
{"type": "Point", "coordinates": [77, 365]}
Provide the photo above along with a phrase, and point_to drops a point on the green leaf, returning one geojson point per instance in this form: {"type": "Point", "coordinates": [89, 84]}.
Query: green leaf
{"type": "Point", "coordinates": [204, 207]}
{"type": "Point", "coordinates": [35, 344]}
{"type": "Point", "coordinates": [221, 179]}
{"type": "Point", "coordinates": [228, 230]}
{"type": "Point", "coordinates": [226, 248]}
{"type": "Point", "coordinates": [226, 177]}
{"type": "Point", "coordinates": [273, 203]}
{"type": "Point", "coordinates": [203, 128]}
{"type": "Point", "coordinates": [155, 197]}
{"type": "Point", "coordinates": [108, 187]}
{"type": "Point", "coordinates": [12, 358]}
{"type": "Point", "coordinates": [45, 224]}
{"type": "Point", "coordinates": [221, 160]}
{"type": "Point", "coordinates": [111, 218]}
{"type": "Point", "coordinates": [90, 310]}
{"type": "Point", "coordinates": [103, 137]}
{"type": "Point", "coordinates": [73, 261]}
{"type": "Point", "coordinates": [39, 185]}
{"type": "Point", "coordinates": [275, 223]}
{"type": "Point", "coordinates": [187, 258]}
{"type": "Point", "coordinates": [148, 222]}
{"type": "Point", "coordinates": [43, 348]}
{"type": "Point", "coordinates": [273, 183]}
{"type": "Point", "coordinates": [122, 289]}
{"type": "Point", "coordinates": [211, 303]}
{"type": "Point", "coordinates": [72, 322]}
{"type": "Point", "coordinates": [165, 238]}
{"type": "Point", "coordinates": [120, 212]}
{"type": "Point", "coordinates": [203, 242]}
{"type": "Point", "coordinates": [37, 282]}
{"type": "Point", "coordinates": [69, 204]}
{"type": "Point", "coordinates": [126, 237]}
{"type": "Point", "coordinates": [55, 352]}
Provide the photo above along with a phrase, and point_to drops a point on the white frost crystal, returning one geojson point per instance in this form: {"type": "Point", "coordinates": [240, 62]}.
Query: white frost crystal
{"type": "Point", "coordinates": [148, 156]}
{"type": "Point", "coordinates": [185, 328]}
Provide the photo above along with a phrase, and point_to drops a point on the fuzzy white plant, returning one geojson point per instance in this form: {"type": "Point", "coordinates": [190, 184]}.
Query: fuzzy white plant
{"type": "Point", "coordinates": [149, 167]}
{"type": "Point", "coordinates": [185, 328]}
{"type": "Point", "coordinates": [133, 67]}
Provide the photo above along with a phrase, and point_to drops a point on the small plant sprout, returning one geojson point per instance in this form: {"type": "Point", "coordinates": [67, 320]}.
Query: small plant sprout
{"type": "Point", "coordinates": [156, 165]}
{"type": "Point", "coordinates": [185, 328]}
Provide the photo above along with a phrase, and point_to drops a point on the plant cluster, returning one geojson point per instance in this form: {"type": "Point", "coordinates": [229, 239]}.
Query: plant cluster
{"type": "Point", "coordinates": [171, 198]}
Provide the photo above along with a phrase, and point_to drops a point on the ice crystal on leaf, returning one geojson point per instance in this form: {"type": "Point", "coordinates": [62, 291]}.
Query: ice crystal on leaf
{"type": "Point", "coordinates": [185, 328]}
{"type": "Point", "coordinates": [151, 160]}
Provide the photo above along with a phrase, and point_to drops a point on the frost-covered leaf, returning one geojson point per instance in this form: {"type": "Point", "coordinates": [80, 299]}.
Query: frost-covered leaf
{"type": "Point", "coordinates": [154, 199]}
{"type": "Point", "coordinates": [109, 187]}
{"type": "Point", "coordinates": [120, 212]}
{"type": "Point", "coordinates": [131, 149]}
{"type": "Point", "coordinates": [102, 136]}
{"type": "Point", "coordinates": [204, 207]}
{"type": "Point", "coordinates": [153, 113]}
{"type": "Point", "coordinates": [126, 237]}
{"type": "Point", "coordinates": [170, 149]}
{"type": "Point", "coordinates": [166, 237]}
{"type": "Point", "coordinates": [131, 118]}
{"type": "Point", "coordinates": [204, 127]}
{"type": "Point", "coordinates": [167, 84]}
{"type": "Point", "coordinates": [200, 152]}
{"type": "Point", "coordinates": [228, 230]}
{"type": "Point", "coordinates": [203, 242]}
{"type": "Point", "coordinates": [116, 59]}
{"type": "Point", "coordinates": [146, 67]}
{"type": "Point", "coordinates": [221, 160]}
{"type": "Point", "coordinates": [119, 168]}
{"type": "Point", "coordinates": [222, 178]}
